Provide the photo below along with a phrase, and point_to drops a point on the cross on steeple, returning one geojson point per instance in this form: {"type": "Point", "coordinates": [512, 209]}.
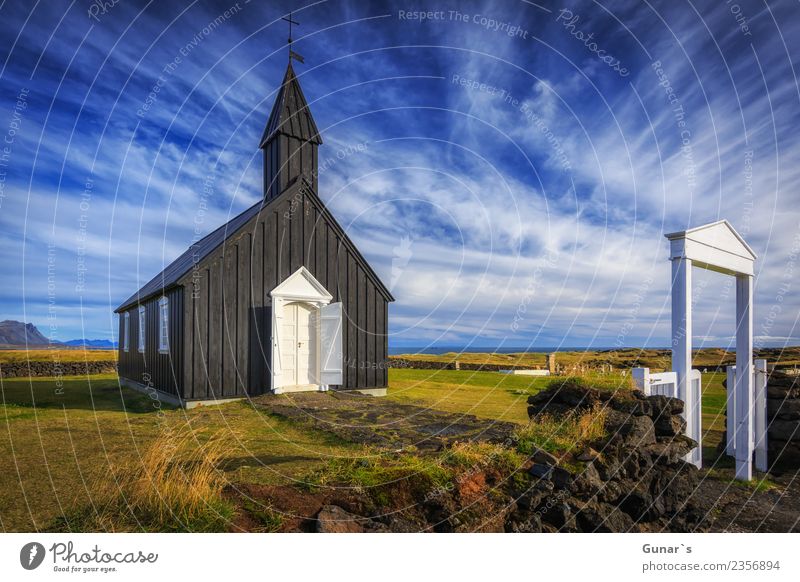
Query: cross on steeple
{"type": "Point", "coordinates": [292, 54]}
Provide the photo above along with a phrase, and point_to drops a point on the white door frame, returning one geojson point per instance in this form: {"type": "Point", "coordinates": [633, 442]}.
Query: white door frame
{"type": "Point", "coordinates": [300, 286]}
{"type": "Point", "coordinates": [716, 247]}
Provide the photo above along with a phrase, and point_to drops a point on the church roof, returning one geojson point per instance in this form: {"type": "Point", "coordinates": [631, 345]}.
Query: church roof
{"type": "Point", "coordinates": [177, 269]}
{"type": "Point", "coordinates": [290, 114]}
{"type": "Point", "coordinates": [193, 255]}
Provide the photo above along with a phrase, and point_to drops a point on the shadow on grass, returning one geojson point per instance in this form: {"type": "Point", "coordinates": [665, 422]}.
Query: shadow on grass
{"type": "Point", "coordinates": [100, 392]}
{"type": "Point", "coordinates": [233, 463]}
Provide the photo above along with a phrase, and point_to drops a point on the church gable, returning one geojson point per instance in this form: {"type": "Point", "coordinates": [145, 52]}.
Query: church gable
{"type": "Point", "coordinates": [302, 230]}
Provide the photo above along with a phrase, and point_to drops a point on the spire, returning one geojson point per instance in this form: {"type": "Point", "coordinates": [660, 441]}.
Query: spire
{"type": "Point", "coordinates": [290, 114]}
{"type": "Point", "coordinates": [290, 139]}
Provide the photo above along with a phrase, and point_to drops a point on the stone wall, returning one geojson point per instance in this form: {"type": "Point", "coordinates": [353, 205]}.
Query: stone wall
{"type": "Point", "coordinates": [54, 368]}
{"type": "Point", "coordinates": [434, 365]}
{"type": "Point", "coordinates": [556, 369]}
{"type": "Point", "coordinates": [783, 421]}
{"type": "Point", "coordinates": [632, 479]}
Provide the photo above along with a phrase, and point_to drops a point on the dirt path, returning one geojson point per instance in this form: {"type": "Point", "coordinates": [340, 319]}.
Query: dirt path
{"type": "Point", "coordinates": [733, 507]}
{"type": "Point", "coordinates": [383, 423]}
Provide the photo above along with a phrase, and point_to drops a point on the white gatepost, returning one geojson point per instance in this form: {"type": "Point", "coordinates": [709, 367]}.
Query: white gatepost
{"type": "Point", "coordinates": [730, 402]}
{"type": "Point", "coordinates": [682, 351]}
{"type": "Point", "coordinates": [641, 379]}
{"type": "Point", "coordinates": [744, 378]}
{"type": "Point", "coordinates": [759, 424]}
{"type": "Point", "coordinates": [716, 247]}
{"type": "Point", "coordinates": [760, 414]}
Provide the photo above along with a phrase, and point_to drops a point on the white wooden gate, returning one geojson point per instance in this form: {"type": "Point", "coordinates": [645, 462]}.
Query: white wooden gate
{"type": "Point", "coordinates": [717, 247]}
{"type": "Point", "coordinates": [749, 427]}
{"type": "Point", "coordinates": [666, 384]}
{"type": "Point", "coordinates": [752, 423]}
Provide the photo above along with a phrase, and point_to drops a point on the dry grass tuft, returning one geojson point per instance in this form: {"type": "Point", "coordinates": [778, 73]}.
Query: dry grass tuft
{"type": "Point", "coordinates": [564, 434]}
{"type": "Point", "coordinates": [176, 485]}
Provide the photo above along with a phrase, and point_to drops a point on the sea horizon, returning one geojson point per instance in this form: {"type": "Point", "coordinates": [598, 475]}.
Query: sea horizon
{"type": "Point", "coordinates": [437, 350]}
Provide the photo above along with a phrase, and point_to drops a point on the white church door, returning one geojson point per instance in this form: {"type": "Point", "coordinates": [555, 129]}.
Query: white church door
{"type": "Point", "coordinates": [306, 336]}
{"type": "Point", "coordinates": [298, 345]}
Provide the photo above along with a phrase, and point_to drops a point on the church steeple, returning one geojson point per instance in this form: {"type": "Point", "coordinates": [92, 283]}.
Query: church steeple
{"type": "Point", "coordinates": [290, 139]}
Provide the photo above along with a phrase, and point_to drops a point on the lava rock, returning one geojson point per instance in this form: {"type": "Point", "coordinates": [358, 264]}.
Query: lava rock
{"type": "Point", "coordinates": [786, 409]}
{"type": "Point", "coordinates": [531, 499]}
{"type": "Point", "coordinates": [786, 430]}
{"type": "Point", "coordinates": [670, 450]}
{"type": "Point", "coordinates": [334, 519]}
{"type": "Point", "coordinates": [541, 471]}
{"type": "Point", "coordinates": [532, 524]}
{"type": "Point", "coordinates": [633, 407]}
{"type": "Point", "coordinates": [588, 455]}
{"type": "Point", "coordinates": [637, 501]}
{"type": "Point", "coordinates": [603, 517]}
{"type": "Point", "coordinates": [560, 477]}
{"type": "Point", "coordinates": [670, 425]}
{"type": "Point", "coordinates": [543, 457]}
{"type": "Point", "coordinates": [665, 405]}
{"type": "Point", "coordinates": [635, 430]}
{"type": "Point", "coordinates": [587, 483]}
{"type": "Point", "coordinates": [558, 514]}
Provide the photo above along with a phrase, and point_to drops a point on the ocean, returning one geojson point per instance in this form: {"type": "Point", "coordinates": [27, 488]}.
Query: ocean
{"type": "Point", "coordinates": [436, 350]}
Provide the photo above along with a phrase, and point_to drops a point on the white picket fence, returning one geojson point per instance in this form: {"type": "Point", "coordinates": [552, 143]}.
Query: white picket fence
{"type": "Point", "coordinates": [740, 421]}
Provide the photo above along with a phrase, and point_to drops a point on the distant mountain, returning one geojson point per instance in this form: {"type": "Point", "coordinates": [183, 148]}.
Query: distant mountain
{"type": "Point", "coordinates": [104, 344]}
{"type": "Point", "coordinates": [16, 333]}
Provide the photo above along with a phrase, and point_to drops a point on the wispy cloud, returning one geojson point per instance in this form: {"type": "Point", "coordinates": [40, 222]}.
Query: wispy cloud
{"type": "Point", "coordinates": [535, 194]}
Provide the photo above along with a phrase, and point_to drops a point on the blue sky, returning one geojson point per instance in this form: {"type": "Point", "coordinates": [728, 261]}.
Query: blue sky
{"type": "Point", "coordinates": [519, 162]}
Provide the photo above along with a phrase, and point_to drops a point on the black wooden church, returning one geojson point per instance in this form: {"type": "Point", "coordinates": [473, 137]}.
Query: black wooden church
{"type": "Point", "coordinates": [279, 299]}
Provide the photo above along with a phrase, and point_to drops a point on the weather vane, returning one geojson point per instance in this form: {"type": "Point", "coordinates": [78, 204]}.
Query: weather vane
{"type": "Point", "coordinates": [292, 54]}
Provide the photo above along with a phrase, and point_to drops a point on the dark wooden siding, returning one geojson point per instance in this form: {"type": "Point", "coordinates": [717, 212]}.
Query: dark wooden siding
{"type": "Point", "coordinates": [229, 322]}
{"type": "Point", "coordinates": [164, 372]}
{"type": "Point", "coordinates": [285, 159]}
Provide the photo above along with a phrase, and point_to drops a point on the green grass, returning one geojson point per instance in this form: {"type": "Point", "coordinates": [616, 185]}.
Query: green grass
{"type": "Point", "coordinates": [656, 360]}
{"type": "Point", "coordinates": [483, 394]}
{"type": "Point", "coordinates": [269, 520]}
{"type": "Point", "coordinates": [56, 354]}
{"type": "Point", "coordinates": [58, 439]}
{"type": "Point", "coordinates": [421, 474]}
{"type": "Point", "coordinates": [58, 442]}
{"type": "Point", "coordinates": [99, 392]}
{"type": "Point", "coordinates": [761, 483]}
{"type": "Point", "coordinates": [713, 407]}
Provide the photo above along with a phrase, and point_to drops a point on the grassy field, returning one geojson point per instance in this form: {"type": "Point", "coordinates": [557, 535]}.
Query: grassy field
{"type": "Point", "coordinates": [46, 355]}
{"type": "Point", "coordinates": [56, 447]}
{"type": "Point", "coordinates": [504, 396]}
{"type": "Point", "coordinates": [623, 358]}
{"type": "Point", "coordinates": [61, 443]}
{"type": "Point", "coordinates": [714, 404]}
{"type": "Point", "coordinates": [657, 360]}
{"type": "Point", "coordinates": [484, 394]}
